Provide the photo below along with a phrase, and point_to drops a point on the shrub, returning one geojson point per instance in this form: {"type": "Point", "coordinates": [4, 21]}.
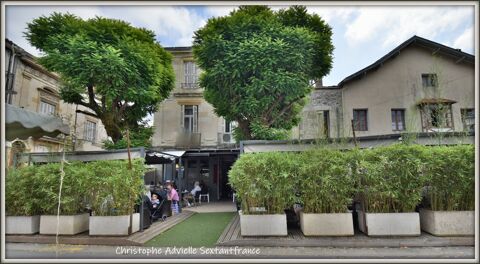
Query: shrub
{"type": "Point", "coordinates": [114, 189]}
{"type": "Point", "coordinates": [75, 186]}
{"type": "Point", "coordinates": [325, 180]}
{"type": "Point", "coordinates": [264, 180]}
{"type": "Point", "coordinates": [390, 178]}
{"type": "Point", "coordinates": [21, 196]}
{"type": "Point", "coordinates": [450, 177]}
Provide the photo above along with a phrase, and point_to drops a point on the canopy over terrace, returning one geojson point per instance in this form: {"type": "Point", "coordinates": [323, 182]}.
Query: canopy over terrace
{"type": "Point", "coordinates": [21, 123]}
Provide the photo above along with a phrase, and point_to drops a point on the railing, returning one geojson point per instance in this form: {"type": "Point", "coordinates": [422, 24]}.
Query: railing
{"type": "Point", "coordinates": [188, 140]}
{"type": "Point", "coordinates": [190, 86]}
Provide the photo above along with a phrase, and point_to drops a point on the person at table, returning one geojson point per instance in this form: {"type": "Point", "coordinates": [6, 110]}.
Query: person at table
{"type": "Point", "coordinates": [191, 195]}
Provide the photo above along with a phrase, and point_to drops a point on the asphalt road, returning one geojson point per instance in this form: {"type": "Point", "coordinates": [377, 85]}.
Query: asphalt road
{"type": "Point", "coordinates": [46, 251]}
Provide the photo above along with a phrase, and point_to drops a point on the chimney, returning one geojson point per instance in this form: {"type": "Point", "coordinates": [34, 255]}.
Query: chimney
{"type": "Point", "coordinates": [319, 83]}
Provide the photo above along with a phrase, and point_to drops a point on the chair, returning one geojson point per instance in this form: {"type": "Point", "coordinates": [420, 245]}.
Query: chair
{"type": "Point", "coordinates": [204, 193]}
{"type": "Point", "coordinates": [196, 199]}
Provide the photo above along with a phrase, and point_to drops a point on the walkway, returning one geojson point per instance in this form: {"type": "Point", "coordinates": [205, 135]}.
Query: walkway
{"type": "Point", "coordinates": [213, 207]}
{"type": "Point", "coordinates": [136, 239]}
{"type": "Point", "coordinates": [295, 238]}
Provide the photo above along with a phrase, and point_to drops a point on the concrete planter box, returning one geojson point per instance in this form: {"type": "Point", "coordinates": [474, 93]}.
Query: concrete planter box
{"type": "Point", "coordinates": [68, 225]}
{"type": "Point", "coordinates": [135, 222]}
{"type": "Point", "coordinates": [25, 225]}
{"type": "Point", "coordinates": [340, 224]}
{"type": "Point", "coordinates": [389, 224]}
{"type": "Point", "coordinates": [113, 225]}
{"type": "Point", "coordinates": [448, 223]}
{"type": "Point", "coordinates": [263, 224]}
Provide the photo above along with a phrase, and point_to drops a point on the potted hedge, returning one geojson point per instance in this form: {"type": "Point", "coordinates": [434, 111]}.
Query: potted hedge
{"type": "Point", "coordinates": [21, 201]}
{"type": "Point", "coordinates": [390, 188]}
{"type": "Point", "coordinates": [114, 192]}
{"type": "Point", "coordinates": [450, 193]}
{"type": "Point", "coordinates": [73, 216]}
{"type": "Point", "coordinates": [265, 185]}
{"type": "Point", "coordinates": [326, 187]}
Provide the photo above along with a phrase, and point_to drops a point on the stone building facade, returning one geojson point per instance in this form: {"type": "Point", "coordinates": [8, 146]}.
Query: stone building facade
{"type": "Point", "coordinates": [32, 87]}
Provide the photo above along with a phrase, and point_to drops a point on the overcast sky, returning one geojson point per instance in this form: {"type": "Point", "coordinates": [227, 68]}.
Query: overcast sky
{"type": "Point", "coordinates": [361, 34]}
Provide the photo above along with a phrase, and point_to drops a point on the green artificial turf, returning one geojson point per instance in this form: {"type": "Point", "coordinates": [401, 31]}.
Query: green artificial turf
{"type": "Point", "coordinates": [201, 229]}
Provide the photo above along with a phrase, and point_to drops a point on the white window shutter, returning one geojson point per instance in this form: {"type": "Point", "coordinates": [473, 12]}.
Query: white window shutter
{"type": "Point", "coordinates": [182, 117]}
{"type": "Point", "coordinates": [195, 118]}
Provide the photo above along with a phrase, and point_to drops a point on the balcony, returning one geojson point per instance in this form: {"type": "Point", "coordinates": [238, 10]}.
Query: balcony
{"type": "Point", "coordinates": [190, 85]}
{"type": "Point", "coordinates": [188, 140]}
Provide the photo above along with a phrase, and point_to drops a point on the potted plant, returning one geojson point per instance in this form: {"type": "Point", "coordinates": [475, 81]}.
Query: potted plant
{"type": "Point", "coordinates": [390, 185]}
{"type": "Point", "coordinates": [21, 201]}
{"type": "Point", "coordinates": [264, 184]}
{"type": "Point", "coordinates": [326, 188]}
{"type": "Point", "coordinates": [115, 190]}
{"type": "Point", "coordinates": [450, 193]}
{"type": "Point", "coordinates": [73, 216]}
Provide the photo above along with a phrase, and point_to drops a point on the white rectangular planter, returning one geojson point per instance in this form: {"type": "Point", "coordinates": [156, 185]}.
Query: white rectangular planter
{"type": "Point", "coordinates": [340, 224]}
{"type": "Point", "coordinates": [389, 224]}
{"type": "Point", "coordinates": [113, 225]}
{"type": "Point", "coordinates": [263, 225]}
{"type": "Point", "coordinates": [25, 225]}
{"type": "Point", "coordinates": [135, 222]}
{"type": "Point", "coordinates": [448, 223]}
{"type": "Point", "coordinates": [68, 225]}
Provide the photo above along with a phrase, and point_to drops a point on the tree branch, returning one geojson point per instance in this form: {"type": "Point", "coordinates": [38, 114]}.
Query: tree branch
{"type": "Point", "coordinates": [282, 112]}
{"type": "Point", "coordinates": [91, 98]}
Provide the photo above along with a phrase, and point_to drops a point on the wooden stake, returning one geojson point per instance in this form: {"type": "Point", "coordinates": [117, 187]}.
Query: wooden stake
{"type": "Point", "coordinates": [354, 137]}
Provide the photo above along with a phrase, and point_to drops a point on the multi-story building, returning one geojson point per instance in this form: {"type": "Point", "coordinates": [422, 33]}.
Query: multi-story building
{"type": "Point", "coordinates": [33, 88]}
{"type": "Point", "coordinates": [187, 124]}
{"type": "Point", "coordinates": [420, 87]}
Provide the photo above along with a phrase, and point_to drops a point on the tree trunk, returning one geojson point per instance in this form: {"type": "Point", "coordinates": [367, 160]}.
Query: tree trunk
{"type": "Point", "coordinates": [245, 128]}
{"type": "Point", "coordinates": [111, 126]}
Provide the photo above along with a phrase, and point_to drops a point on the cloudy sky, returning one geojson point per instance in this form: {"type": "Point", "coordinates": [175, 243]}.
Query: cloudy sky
{"type": "Point", "coordinates": [361, 34]}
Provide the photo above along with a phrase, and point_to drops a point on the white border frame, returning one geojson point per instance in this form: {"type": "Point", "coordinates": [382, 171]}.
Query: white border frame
{"type": "Point", "coordinates": [475, 4]}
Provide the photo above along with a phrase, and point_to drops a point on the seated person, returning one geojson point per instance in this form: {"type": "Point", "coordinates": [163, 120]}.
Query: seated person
{"type": "Point", "coordinates": [191, 195]}
{"type": "Point", "coordinates": [155, 200]}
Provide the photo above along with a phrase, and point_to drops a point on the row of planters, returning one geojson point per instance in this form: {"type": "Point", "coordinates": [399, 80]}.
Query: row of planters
{"type": "Point", "coordinates": [98, 196]}
{"type": "Point", "coordinates": [399, 190]}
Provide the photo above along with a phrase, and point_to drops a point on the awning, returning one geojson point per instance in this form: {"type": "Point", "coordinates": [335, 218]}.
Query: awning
{"type": "Point", "coordinates": [21, 123]}
{"type": "Point", "coordinates": [162, 157]}
{"type": "Point", "coordinates": [426, 101]}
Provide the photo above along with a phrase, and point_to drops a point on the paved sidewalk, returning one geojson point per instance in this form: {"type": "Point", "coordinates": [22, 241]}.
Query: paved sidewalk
{"type": "Point", "coordinates": [136, 239]}
{"type": "Point", "coordinates": [213, 207]}
{"type": "Point", "coordinates": [43, 251]}
{"type": "Point", "coordinates": [231, 237]}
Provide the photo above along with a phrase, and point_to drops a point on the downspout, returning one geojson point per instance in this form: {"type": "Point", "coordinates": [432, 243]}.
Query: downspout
{"type": "Point", "coordinates": [10, 74]}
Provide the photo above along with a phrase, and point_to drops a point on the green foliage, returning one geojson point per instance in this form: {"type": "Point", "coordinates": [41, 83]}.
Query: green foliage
{"type": "Point", "coordinates": [73, 199]}
{"type": "Point", "coordinates": [257, 65]}
{"type": "Point", "coordinates": [451, 178]}
{"type": "Point", "coordinates": [264, 180]}
{"type": "Point", "coordinates": [325, 182]}
{"type": "Point", "coordinates": [139, 137]}
{"type": "Point", "coordinates": [114, 188]}
{"type": "Point", "coordinates": [385, 179]}
{"type": "Point", "coordinates": [21, 197]}
{"type": "Point", "coordinates": [107, 186]}
{"type": "Point", "coordinates": [118, 71]}
{"type": "Point", "coordinates": [391, 178]}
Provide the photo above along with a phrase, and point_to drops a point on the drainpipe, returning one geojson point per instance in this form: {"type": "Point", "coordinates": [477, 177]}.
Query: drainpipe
{"type": "Point", "coordinates": [10, 74]}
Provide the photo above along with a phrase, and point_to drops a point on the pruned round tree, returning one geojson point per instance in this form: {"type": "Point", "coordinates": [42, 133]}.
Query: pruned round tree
{"type": "Point", "coordinates": [119, 71]}
{"type": "Point", "coordinates": [257, 65]}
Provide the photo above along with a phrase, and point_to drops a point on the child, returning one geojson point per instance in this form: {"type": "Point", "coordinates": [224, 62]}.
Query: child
{"type": "Point", "coordinates": [173, 196]}
{"type": "Point", "coordinates": [155, 201]}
